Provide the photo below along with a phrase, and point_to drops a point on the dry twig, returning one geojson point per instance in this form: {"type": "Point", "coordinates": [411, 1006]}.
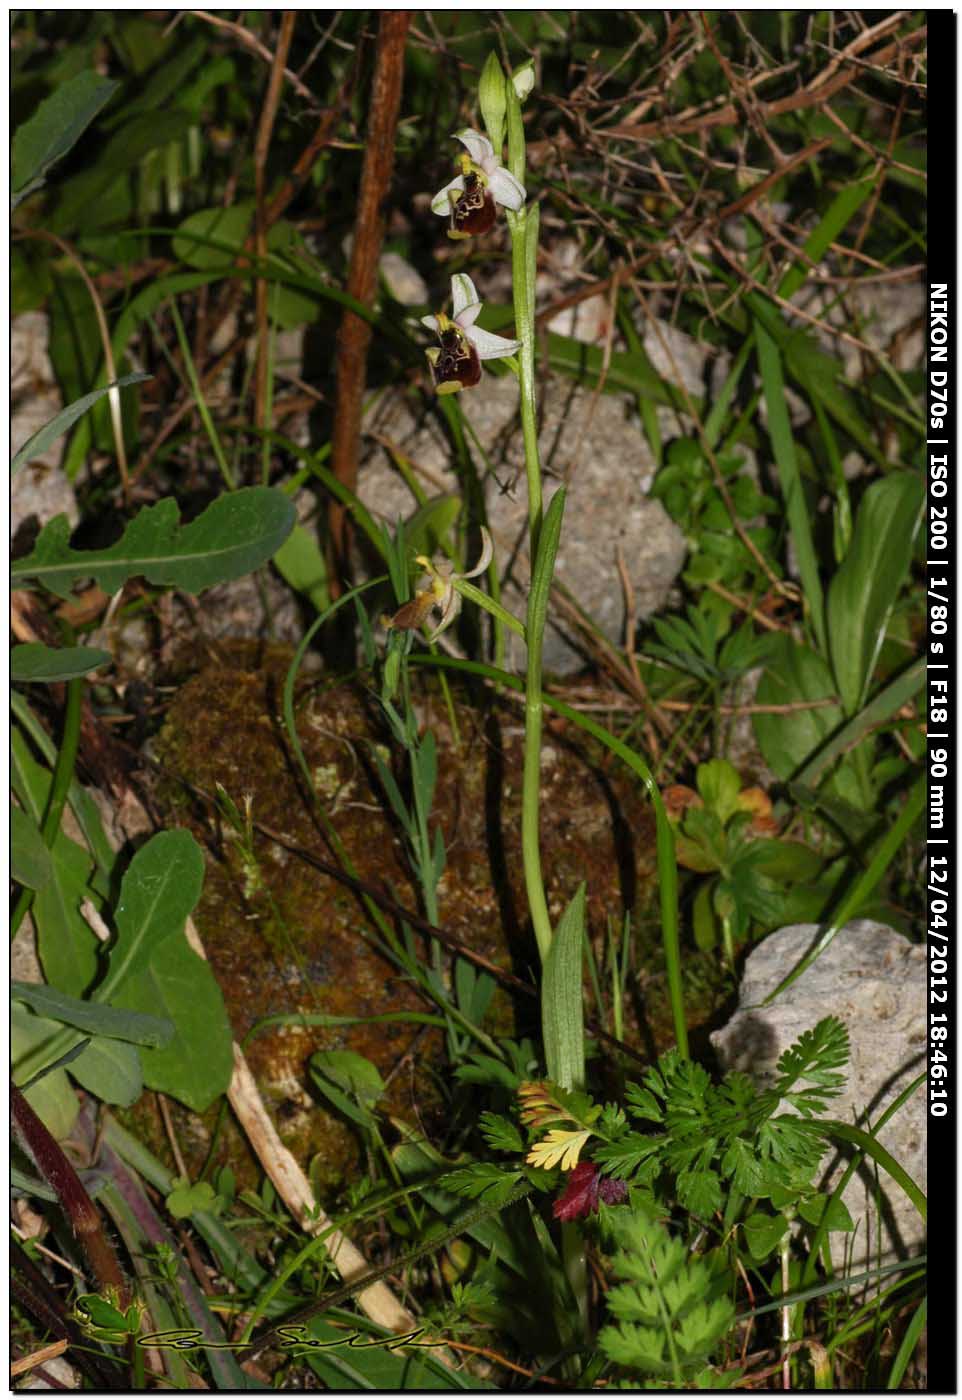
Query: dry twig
{"type": "Point", "coordinates": [354, 335]}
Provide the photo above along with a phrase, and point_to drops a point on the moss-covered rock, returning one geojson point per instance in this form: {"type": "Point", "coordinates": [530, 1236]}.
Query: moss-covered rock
{"type": "Point", "coordinates": [285, 939]}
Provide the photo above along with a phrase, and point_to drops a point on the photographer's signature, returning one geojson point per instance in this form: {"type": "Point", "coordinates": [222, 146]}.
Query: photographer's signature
{"type": "Point", "coordinates": [285, 1337]}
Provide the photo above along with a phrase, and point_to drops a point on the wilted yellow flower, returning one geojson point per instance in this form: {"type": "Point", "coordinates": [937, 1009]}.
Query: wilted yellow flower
{"type": "Point", "coordinates": [441, 592]}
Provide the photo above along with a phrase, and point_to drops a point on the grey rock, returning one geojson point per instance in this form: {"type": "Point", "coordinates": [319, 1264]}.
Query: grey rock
{"type": "Point", "coordinates": [40, 489]}
{"type": "Point", "coordinates": [590, 443]}
{"type": "Point", "coordinates": [677, 356]}
{"type": "Point", "coordinates": [873, 980]}
{"type": "Point", "coordinates": [887, 317]}
{"type": "Point", "coordinates": [403, 281]}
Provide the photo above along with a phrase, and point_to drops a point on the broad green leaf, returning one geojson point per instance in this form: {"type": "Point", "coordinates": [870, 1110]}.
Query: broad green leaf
{"type": "Point", "coordinates": [869, 579]}
{"type": "Point", "coordinates": [65, 419]}
{"type": "Point", "coordinates": [211, 238]}
{"type": "Point", "coordinates": [56, 125]}
{"type": "Point", "coordinates": [35, 662]}
{"type": "Point", "coordinates": [763, 1232]}
{"type": "Point", "coordinates": [68, 949]}
{"type": "Point", "coordinates": [795, 675]}
{"type": "Point", "coordinates": [719, 784]}
{"type": "Point", "coordinates": [65, 945]}
{"type": "Point", "coordinates": [83, 806]}
{"type": "Point", "coordinates": [356, 1112]}
{"type": "Point", "coordinates": [31, 863]}
{"type": "Point", "coordinates": [107, 1021]}
{"type": "Point", "coordinates": [374, 1364]}
{"type": "Point", "coordinates": [300, 563]}
{"type": "Point", "coordinates": [160, 889]}
{"type": "Point", "coordinates": [880, 708]}
{"type": "Point", "coordinates": [350, 1082]}
{"type": "Point", "coordinates": [836, 1212]}
{"type": "Point", "coordinates": [196, 1066]}
{"type": "Point", "coordinates": [110, 1070]}
{"type": "Point", "coordinates": [51, 1098]}
{"type": "Point", "coordinates": [354, 1073]}
{"type": "Point", "coordinates": [787, 861]}
{"type": "Point", "coordinates": [236, 534]}
{"type": "Point", "coordinates": [562, 998]}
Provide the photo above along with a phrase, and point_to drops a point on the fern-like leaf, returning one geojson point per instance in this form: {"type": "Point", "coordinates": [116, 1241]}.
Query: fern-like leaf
{"type": "Point", "coordinates": [481, 1179]}
{"type": "Point", "coordinates": [672, 1311]}
{"type": "Point", "coordinates": [816, 1058]}
{"type": "Point", "coordinates": [500, 1133]}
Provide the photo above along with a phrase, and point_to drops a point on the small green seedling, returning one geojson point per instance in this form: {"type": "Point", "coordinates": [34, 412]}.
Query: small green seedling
{"type": "Point", "coordinates": [102, 1319]}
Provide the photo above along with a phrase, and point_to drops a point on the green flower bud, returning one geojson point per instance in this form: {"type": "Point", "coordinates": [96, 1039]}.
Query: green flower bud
{"type": "Point", "coordinates": [493, 101]}
{"type": "Point", "coordinates": [523, 80]}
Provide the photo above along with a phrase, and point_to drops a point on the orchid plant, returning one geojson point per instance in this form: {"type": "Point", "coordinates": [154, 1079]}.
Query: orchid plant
{"type": "Point", "coordinates": [471, 201]}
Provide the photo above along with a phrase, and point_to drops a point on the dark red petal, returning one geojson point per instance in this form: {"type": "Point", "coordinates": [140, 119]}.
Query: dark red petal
{"type": "Point", "coordinates": [580, 1196]}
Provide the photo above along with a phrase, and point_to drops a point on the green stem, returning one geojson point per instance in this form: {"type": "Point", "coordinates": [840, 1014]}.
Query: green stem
{"type": "Point", "coordinates": [524, 239]}
{"type": "Point", "coordinates": [524, 244]}
{"type": "Point", "coordinates": [531, 809]}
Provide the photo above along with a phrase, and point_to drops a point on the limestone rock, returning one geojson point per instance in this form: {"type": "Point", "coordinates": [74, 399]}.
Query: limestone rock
{"type": "Point", "coordinates": [40, 490]}
{"type": "Point", "coordinates": [589, 442]}
{"type": "Point", "coordinates": [873, 980]}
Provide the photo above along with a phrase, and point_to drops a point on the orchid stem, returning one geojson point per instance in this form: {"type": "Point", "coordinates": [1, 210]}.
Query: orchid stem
{"type": "Point", "coordinates": [524, 232]}
{"type": "Point", "coordinates": [524, 240]}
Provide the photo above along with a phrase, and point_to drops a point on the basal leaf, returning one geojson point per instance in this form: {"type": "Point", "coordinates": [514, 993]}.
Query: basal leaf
{"type": "Point", "coordinates": [31, 863]}
{"type": "Point", "coordinates": [56, 125]}
{"type": "Point", "coordinates": [107, 1021]}
{"type": "Point", "coordinates": [869, 579]}
{"type": "Point", "coordinates": [35, 662]}
{"type": "Point", "coordinates": [300, 563]}
{"type": "Point", "coordinates": [562, 1001]}
{"type": "Point", "coordinates": [198, 1062]}
{"type": "Point", "coordinates": [161, 887]}
{"type": "Point", "coordinates": [110, 1069]}
{"type": "Point", "coordinates": [52, 1097]}
{"type": "Point", "coordinates": [795, 674]}
{"type": "Point", "coordinates": [237, 533]}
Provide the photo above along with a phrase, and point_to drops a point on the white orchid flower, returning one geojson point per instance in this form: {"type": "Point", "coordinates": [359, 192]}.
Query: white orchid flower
{"type": "Point", "coordinates": [457, 364]}
{"type": "Point", "coordinates": [440, 593]}
{"type": "Point", "coordinates": [471, 198]}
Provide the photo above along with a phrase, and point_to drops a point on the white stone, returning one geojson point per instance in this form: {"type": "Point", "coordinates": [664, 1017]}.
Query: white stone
{"type": "Point", "coordinates": [873, 980]}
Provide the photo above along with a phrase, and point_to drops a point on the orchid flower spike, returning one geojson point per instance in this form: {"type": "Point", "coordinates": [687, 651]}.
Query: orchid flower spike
{"type": "Point", "coordinates": [441, 592]}
{"type": "Point", "coordinates": [471, 198]}
{"type": "Point", "coordinates": [457, 365]}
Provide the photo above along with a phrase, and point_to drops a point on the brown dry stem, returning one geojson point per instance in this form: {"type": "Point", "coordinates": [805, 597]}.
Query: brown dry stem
{"type": "Point", "coordinates": [354, 335]}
